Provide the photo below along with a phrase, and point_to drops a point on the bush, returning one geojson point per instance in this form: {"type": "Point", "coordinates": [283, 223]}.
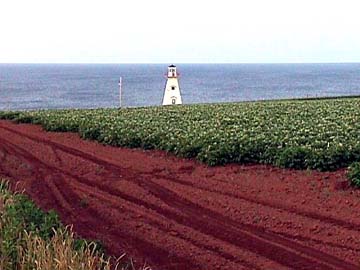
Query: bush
{"type": "Point", "coordinates": [19, 214]}
{"type": "Point", "coordinates": [33, 239]}
{"type": "Point", "coordinates": [294, 157]}
{"type": "Point", "coordinates": [23, 211]}
{"type": "Point", "coordinates": [354, 174]}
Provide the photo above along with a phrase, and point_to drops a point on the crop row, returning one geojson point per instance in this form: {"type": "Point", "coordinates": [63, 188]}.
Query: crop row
{"type": "Point", "coordinates": [314, 134]}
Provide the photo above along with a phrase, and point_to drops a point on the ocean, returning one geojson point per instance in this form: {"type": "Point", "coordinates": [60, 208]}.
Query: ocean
{"type": "Point", "coordinates": [55, 86]}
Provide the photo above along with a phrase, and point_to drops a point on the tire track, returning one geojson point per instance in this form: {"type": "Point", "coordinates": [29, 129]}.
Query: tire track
{"type": "Point", "coordinates": [163, 193]}
{"type": "Point", "coordinates": [46, 177]}
{"type": "Point", "coordinates": [251, 243]}
{"type": "Point", "coordinates": [104, 197]}
{"type": "Point", "coordinates": [115, 167]}
{"type": "Point", "coordinates": [64, 207]}
{"type": "Point", "coordinates": [292, 210]}
{"type": "Point", "coordinates": [249, 237]}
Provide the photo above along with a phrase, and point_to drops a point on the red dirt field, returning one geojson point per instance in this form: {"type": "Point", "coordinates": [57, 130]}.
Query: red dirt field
{"type": "Point", "coordinates": [179, 214]}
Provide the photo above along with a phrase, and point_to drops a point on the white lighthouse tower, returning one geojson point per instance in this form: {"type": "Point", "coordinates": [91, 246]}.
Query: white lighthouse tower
{"type": "Point", "coordinates": [172, 94]}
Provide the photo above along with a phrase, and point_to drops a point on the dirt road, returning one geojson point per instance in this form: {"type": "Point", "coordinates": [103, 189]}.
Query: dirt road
{"type": "Point", "coordinates": [179, 214]}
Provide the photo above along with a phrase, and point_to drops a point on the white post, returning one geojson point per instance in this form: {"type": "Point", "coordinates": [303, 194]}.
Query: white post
{"type": "Point", "coordinates": [120, 86]}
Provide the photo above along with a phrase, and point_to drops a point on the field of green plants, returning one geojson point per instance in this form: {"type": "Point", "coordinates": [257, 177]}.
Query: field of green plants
{"type": "Point", "coordinates": [314, 134]}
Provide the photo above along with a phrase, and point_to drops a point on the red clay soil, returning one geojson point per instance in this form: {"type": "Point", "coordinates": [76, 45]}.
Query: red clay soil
{"type": "Point", "coordinates": [179, 214]}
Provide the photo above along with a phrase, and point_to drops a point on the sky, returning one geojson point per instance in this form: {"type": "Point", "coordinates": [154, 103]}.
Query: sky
{"type": "Point", "coordinates": [184, 31]}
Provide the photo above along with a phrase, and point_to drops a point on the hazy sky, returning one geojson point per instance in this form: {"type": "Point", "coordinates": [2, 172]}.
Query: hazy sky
{"type": "Point", "coordinates": [195, 31]}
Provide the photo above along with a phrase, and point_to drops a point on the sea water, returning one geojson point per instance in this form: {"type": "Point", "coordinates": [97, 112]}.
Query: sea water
{"type": "Point", "coordinates": [50, 86]}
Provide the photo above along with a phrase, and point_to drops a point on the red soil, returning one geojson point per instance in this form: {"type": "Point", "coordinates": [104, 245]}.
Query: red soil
{"type": "Point", "coordinates": [179, 214]}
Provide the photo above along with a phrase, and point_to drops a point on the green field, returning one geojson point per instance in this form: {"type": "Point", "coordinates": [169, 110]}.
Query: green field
{"type": "Point", "coordinates": [315, 134]}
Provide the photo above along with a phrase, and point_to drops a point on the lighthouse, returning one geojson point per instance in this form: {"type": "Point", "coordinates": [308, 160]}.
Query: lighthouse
{"type": "Point", "coordinates": [172, 94]}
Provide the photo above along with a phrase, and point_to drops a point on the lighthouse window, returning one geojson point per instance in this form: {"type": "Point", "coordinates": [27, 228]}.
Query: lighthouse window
{"type": "Point", "coordinates": [173, 101]}
{"type": "Point", "coordinates": [172, 87]}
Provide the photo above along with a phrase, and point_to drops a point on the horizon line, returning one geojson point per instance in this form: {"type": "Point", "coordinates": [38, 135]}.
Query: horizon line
{"type": "Point", "coordinates": [163, 63]}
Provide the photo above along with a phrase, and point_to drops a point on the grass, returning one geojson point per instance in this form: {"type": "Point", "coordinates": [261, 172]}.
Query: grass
{"type": "Point", "coordinates": [31, 239]}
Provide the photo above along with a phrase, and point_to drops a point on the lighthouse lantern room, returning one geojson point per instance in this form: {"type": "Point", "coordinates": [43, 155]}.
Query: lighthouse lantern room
{"type": "Point", "coordinates": [172, 94]}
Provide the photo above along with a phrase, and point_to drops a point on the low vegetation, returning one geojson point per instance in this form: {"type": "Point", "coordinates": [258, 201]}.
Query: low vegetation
{"type": "Point", "coordinates": [300, 134]}
{"type": "Point", "coordinates": [354, 174]}
{"type": "Point", "coordinates": [31, 239]}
